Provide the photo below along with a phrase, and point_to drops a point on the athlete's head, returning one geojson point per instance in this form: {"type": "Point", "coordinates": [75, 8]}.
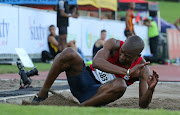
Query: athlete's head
{"type": "Point", "coordinates": [52, 29]}
{"type": "Point", "coordinates": [103, 34]}
{"type": "Point", "coordinates": [132, 5]}
{"type": "Point", "coordinates": [131, 50]}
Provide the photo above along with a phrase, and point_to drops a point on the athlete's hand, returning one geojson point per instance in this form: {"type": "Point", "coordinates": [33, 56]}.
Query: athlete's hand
{"type": "Point", "coordinates": [153, 80]}
{"type": "Point", "coordinates": [135, 71]}
{"type": "Point", "coordinates": [74, 15]}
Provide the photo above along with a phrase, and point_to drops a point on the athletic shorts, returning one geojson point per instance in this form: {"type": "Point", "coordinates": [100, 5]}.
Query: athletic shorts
{"type": "Point", "coordinates": [62, 30]}
{"type": "Point", "coordinates": [83, 86]}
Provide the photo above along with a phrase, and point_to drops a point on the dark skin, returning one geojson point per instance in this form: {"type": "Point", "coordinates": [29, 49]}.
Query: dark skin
{"type": "Point", "coordinates": [71, 62]}
{"type": "Point", "coordinates": [147, 81]}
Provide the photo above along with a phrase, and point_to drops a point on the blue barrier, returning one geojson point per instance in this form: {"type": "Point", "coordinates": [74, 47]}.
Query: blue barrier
{"type": "Point", "coordinates": [40, 2]}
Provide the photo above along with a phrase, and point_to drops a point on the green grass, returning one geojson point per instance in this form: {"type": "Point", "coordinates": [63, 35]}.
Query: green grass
{"type": "Point", "coordinates": [169, 10]}
{"type": "Point", "coordinates": [54, 110]}
{"type": "Point", "coordinates": [14, 69]}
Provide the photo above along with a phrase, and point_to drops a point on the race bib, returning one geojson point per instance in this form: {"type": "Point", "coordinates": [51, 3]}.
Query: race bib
{"type": "Point", "coordinates": [104, 77]}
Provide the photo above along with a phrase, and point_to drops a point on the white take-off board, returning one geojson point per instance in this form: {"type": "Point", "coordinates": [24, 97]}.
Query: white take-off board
{"type": "Point", "coordinates": [24, 57]}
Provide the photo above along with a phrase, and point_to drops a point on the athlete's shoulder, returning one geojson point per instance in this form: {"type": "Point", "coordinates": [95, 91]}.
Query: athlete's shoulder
{"type": "Point", "coordinates": [50, 36]}
{"type": "Point", "coordinates": [113, 43]}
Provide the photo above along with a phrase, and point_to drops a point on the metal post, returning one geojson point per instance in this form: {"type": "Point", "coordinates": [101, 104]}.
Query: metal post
{"type": "Point", "coordinates": [159, 20]}
{"type": "Point", "coordinates": [99, 12]}
{"type": "Point", "coordinates": [115, 15]}
{"type": "Point", "coordinates": [148, 13]}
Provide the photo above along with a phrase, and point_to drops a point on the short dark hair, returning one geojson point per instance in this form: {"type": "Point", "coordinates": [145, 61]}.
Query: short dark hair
{"type": "Point", "coordinates": [51, 26]}
{"type": "Point", "coordinates": [103, 31]}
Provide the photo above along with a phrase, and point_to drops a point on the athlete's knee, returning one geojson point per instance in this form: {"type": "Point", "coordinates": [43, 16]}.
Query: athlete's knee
{"type": "Point", "coordinates": [70, 52]}
{"type": "Point", "coordinates": [67, 54]}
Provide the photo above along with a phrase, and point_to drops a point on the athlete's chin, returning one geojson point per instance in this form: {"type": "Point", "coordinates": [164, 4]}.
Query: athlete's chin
{"type": "Point", "coordinates": [121, 62]}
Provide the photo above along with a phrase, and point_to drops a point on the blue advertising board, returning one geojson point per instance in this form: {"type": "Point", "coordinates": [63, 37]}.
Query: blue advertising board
{"type": "Point", "coordinates": [40, 2]}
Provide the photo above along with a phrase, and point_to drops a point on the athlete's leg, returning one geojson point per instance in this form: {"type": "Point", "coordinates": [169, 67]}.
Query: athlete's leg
{"type": "Point", "coordinates": [69, 61]}
{"type": "Point", "coordinates": [107, 93]}
{"type": "Point", "coordinates": [62, 42]}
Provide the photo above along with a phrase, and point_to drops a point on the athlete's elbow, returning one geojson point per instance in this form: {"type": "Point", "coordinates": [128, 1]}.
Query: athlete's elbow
{"type": "Point", "coordinates": [95, 63]}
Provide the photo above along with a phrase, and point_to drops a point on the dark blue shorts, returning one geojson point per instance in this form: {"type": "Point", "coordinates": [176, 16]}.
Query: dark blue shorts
{"type": "Point", "coordinates": [83, 86]}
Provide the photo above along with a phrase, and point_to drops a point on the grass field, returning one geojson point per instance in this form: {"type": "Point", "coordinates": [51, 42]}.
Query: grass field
{"type": "Point", "coordinates": [169, 11]}
{"type": "Point", "coordinates": [14, 69]}
{"type": "Point", "coordinates": [54, 110]}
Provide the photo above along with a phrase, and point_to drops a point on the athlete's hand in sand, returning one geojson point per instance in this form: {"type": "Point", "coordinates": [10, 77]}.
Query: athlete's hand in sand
{"type": "Point", "coordinates": [152, 80]}
{"type": "Point", "coordinates": [135, 71]}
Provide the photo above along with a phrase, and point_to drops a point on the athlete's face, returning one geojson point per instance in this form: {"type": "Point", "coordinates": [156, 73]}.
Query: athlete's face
{"type": "Point", "coordinates": [52, 30]}
{"type": "Point", "coordinates": [127, 57]}
{"type": "Point", "coordinates": [132, 5]}
{"type": "Point", "coordinates": [103, 35]}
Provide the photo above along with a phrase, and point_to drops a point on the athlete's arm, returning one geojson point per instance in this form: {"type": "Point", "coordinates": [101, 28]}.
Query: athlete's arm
{"type": "Point", "coordinates": [176, 23]}
{"type": "Point", "coordinates": [61, 9]}
{"type": "Point", "coordinates": [128, 14]}
{"type": "Point", "coordinates": [52, 40]}
{"type": "Point", "coordinates": [100, 60]}
{"type": "Point", "coordinates": [146, 86]}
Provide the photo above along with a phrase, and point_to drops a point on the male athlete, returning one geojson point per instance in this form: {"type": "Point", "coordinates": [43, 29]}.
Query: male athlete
{"type": "Point", "coordinates": [122, 65]}
{"type": "Point", "coordinates": [129, 31]}
{"type": "Point", "coordinates": [99, 43]}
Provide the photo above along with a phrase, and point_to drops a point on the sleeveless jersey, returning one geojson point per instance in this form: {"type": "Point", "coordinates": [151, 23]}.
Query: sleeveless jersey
{"type": "Point", "coordinates": [52, 48]}
{"type": "Point", "coordinates": [114, 60]}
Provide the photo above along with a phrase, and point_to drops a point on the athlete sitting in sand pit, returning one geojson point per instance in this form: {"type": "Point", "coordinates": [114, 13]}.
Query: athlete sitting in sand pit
{"type": "Point", "coordinates": [91, 86]}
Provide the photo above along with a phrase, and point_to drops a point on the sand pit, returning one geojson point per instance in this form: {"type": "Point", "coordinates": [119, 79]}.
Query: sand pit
{"type": "Point", "coordinates": [59, 100]}
{"type": "Point", "coordinates": [63, 99]}
{"type": "Point", "coordinates": [166, 96]}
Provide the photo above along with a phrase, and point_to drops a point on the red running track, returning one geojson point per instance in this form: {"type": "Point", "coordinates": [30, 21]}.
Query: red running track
{"type": "Point", "coordinates": [166, 73]}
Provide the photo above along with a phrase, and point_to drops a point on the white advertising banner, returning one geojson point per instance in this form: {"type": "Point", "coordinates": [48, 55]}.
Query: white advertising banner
{"type": "Point", "coordinates": [91, 29]}
{"type": "Point", "coordinates": [115, 29]}
{"type": "Point", "coordinates": [8, 29]}
{"type": "Point", "coordinates": [74, 31]}
{"type": "Point", "coordinates": [33, 29]}
{"type": "Point", "coordinates": [142, 31]}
